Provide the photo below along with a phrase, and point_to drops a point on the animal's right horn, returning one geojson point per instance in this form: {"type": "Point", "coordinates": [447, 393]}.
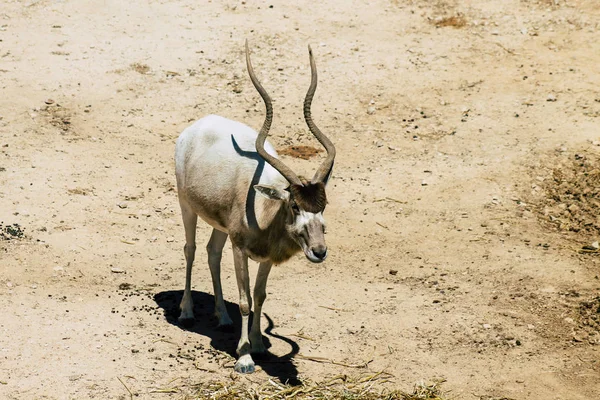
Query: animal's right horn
{"type": "Point", "coordinates": [262, 135]}
{"type": "Point", "coordinates": [324, 170]}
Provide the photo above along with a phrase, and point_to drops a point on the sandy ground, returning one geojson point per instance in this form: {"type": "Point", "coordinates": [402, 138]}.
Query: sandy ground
{"type": "Point", "coordinates": [445, 115]}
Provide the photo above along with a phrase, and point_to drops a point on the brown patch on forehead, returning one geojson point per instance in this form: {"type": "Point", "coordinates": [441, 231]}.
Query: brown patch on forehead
{"type": "Point", "coordinates": [310, 197]}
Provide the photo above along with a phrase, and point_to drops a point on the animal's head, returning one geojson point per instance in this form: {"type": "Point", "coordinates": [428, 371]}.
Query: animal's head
{"type": "Point", "coordinates": [304, 206]}
{"type": "Point", "coordinates": [304, 201]}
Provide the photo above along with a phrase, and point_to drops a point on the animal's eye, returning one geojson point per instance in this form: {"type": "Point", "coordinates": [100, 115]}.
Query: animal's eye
{"type": "Point", "coordinates": [295, 208]}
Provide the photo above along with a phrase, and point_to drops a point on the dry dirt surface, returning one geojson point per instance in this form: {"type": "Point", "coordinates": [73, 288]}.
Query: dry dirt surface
{"type": "Point", "coordinates": [463, 215]}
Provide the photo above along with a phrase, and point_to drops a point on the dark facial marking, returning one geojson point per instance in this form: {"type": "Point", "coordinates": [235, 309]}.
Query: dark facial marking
{"type": "Point", "coordinates": [310, 197]}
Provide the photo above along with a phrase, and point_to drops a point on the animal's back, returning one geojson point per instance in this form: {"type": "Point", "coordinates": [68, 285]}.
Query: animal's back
{"type": "Point", "coordinates": [215, 162]}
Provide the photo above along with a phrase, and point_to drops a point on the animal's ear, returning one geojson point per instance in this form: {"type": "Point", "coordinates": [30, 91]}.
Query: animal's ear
{"type": "Point", "coordinates": [272, 193]}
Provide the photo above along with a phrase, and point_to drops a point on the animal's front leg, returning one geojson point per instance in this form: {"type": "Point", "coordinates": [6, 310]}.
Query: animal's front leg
{"type": "Point", "coordinates": [260, 294]}
{"type": "Point", "coordinates": [244, 364]}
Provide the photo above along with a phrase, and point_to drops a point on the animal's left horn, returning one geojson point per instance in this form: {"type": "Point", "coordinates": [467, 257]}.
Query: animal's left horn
{"type": "Point", "coordinates": [325, 168]}
{"type": "Point", "coordinates": [264, 131]}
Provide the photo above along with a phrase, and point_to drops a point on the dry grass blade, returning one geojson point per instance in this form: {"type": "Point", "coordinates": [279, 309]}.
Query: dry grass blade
{"type": "Point", "coordinates": [123, 383]}
{"type": "Point", "coordinates": [333, 308]}
{"type": "Point", "coordinates": [327, 360]}
{"type": "Point", "coordinates": [302, 336]}
{"type": "Point", "coordinates": [165, 390]}
{"type": "Point", "coordinates": [509, 51]}
{"type": "Point", "coordinates": [165, 341]}
{"type": "Point", "coordinates": [390, 199]}
{"type": "Point", "coordinates": [212, 371]}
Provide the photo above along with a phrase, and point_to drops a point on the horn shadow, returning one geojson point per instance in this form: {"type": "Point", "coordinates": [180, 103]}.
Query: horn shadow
{"type": "Point", "coordinates": [251, 195]}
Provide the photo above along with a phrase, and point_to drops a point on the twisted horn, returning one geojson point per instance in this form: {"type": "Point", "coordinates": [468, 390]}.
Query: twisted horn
{"type": "Point", "coordinates": [325, 168]}
{"type": "Point", "coordinates": [262, 135]}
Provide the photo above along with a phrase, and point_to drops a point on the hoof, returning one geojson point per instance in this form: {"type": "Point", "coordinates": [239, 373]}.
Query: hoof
{"type": "Point", "coordinates": [244, 365]}
{"type": "Point", "coordinates": [186, 323]}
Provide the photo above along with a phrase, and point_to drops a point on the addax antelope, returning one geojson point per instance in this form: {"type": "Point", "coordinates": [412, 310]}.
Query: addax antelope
{"type": "Point", "coordinates": [231, 177]}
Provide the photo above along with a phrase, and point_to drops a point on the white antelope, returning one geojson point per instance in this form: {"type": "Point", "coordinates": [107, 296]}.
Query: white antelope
{"type": "Point", "coordinates": [220, 166]}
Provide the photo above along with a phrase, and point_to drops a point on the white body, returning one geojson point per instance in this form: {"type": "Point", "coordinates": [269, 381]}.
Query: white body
{"type": "Point", "coordinates": [214, 159]}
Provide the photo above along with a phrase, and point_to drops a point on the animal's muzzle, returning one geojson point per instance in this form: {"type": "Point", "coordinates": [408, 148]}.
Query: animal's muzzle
{"type": "Point", "coordinates": [320, 252]}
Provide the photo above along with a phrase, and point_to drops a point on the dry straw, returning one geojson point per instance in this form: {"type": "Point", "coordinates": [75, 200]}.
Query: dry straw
{"type": "Point", "coordinates": [363, 387]}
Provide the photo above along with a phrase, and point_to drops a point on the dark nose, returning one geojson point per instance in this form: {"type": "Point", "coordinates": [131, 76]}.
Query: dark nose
{"type": "Point", "coordinates": [320, 252]}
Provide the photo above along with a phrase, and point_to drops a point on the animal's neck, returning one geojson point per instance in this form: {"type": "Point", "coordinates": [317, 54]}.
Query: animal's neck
{"type": "Point", "coordinates": [283, 246]}
{"type": "Point", "coordinates": [271, 239]}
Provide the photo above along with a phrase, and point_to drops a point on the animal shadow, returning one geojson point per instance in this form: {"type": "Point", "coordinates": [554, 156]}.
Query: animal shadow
{"type": "Point", "coordinates": [280, 367]}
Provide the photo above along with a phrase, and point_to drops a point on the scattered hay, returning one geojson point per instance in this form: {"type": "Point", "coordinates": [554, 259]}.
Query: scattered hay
{"type": "Point", "coordinates": [365, 387]}
{"type": "Point", "coordinates": [454, 21]}
{"type": "Point", "coordinates": [57, 115]}
{"type": "Point", "coordinates": [140, 68]}
{"type": "Point", "coordinates": [10, 232]}
{"type": "Point", "coordinates": [300, 151]}
{"type": "Point", "coordinates": [80, 191]}
{"type": "Point", "coordinates": [570, 195]}
{"type": "Point", "coordinates": [125, 286]}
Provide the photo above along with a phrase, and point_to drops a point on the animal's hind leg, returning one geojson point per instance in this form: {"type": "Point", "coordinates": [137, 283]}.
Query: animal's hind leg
{"type": "Point", "coordinates": [215, 251]}
{"type": "Point", "coordinates": [190, 219]}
